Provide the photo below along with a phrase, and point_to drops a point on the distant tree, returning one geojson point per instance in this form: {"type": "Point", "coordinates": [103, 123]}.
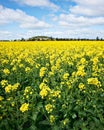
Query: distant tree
{"type": "Point", "coordinates": [22, 39]}
{"type": "Point", "coordinates": [51, 38]}
{"type": "Point", "coordinates": [97, 38]}
{"type": "Point", "coordinates": [101, 39]}
{"type": "Point", "coordinates": [78, 39]}
{"type": "Point", "coordinates": [15, 39]}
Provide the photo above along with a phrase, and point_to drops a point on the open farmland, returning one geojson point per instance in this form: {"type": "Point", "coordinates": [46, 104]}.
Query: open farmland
{"type": "Point", "coordinates": [52, 85]}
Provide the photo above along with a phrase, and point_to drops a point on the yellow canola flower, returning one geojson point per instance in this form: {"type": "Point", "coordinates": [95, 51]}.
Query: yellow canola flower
{"type": "Point", "coordinates": [14, 68]}
{"type": "Point", "coordinates": [49, 108]}
{"type": "Point", "coordinates": [51, 74]}
{"type": "Point", "coordinates": [44, 86]}
{"type": "Point", "coordinates": [5, 62]}
{"type": "Point", "coordinates": [28, 90]}
{"type": "Point", "coordinates": [55, 93]}
{"type": "Point", "coordinates": [83, 61]}
{"type": "Point", "coordinates": [15, 86]}
{"type": "Point", "coordinates": [6, 71]}
{"type": "Point", "coordinates": [95, 60]}
{"type": "Point", "coordinates": [65, 76]}
{"type": "Point", "coordinates": [24, 107]}
{"type": "Point", "coordinates": [52, 118]}
{"type": "Point", "coordinates": [81, 67]}
{"type": "Point", "coordinates": [10, 98]}
{"type": "Point", "coordinates": [4, 83]}
{"type": "Point", "coordinates": [42, 71]}
{"type": "Point", "coordinates": [80, 73]}
{"type": "Point", "coordinates": [1, 117]}
{"type": "Point", "coordinates": [94, 81]}
{"type": "Point", "coordinates": [81, 86]}
{"type": "Point", "coordinates": [37, 65]}
{"type": "Point", "coordinates": [66, 121]}
{"type": "Point", "coordinates": [58, 62]}
{"type": "Point", "coordinates": [53, 68]}
{"type": "Point", "coordinates": [13, 104]}
{"type": "Point", "coordinates": [1, 98]}
{"type": "Point", "coordinates": [27, 69]}
{"type": "Point", "coordinates": [8, 88]}
{"type": "Point", "coordinates": [45, 80]}
{"type": "Point", "coordinates": [44, 92]}
{"type": "Point", "coordinates": [21, 65]}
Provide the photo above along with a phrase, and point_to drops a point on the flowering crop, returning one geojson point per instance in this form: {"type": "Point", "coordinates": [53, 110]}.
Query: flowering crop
{"type": "Point", "coordinates": [52, 85]}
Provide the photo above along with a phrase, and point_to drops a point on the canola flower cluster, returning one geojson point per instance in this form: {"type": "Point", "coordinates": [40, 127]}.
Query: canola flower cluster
{"type": "Point", "coordinates": [59, 83]}
{"type": "Point", "coordinates": [24, 107]}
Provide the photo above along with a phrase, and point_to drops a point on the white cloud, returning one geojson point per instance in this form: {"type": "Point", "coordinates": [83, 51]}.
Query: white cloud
{"type": "Point", "coordinates": [5, 32]}
{"type": "Point", "coordinates": [4, 35]}
{"type": "Point", "coordinates": [53, 17]}
{"type": "Point", "coordinates": [39, 3]}
{"type": "Point", "coordinates": [88, 7]}
{"type": "Point", "coordinates": [85, 13]}
{"type": "Point", "coordinates": [24, 20]}
{"type": "Point", "coordinates": [70, 20]}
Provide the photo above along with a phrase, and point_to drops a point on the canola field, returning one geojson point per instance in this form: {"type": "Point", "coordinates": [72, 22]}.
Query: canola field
{"type": "Point", "coordinates": [52, 85]}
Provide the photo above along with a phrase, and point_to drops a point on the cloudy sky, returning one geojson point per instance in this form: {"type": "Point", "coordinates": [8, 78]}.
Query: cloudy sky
{"type": "Point", "coordinates": [57, 18]}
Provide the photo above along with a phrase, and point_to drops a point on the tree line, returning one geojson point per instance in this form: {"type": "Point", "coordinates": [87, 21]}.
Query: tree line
{"type": "Point", "coordinates": [46, 38]}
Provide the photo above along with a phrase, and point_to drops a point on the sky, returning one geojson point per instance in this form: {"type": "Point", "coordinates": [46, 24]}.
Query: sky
{"type": "Point", "coordinates": [56, 18]}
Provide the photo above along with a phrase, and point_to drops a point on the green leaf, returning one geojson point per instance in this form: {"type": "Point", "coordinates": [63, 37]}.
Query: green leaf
{"type": "Point", "coordinates": [45, 122]}
{"type": "Point", "coordinates": [83, 128]}
{"type": "Point", "coordinates": [34, 116]}
{"type": "Point", "coordinates": [74, 116]}
{"type": "Point", "coordinates": [55, 128]}
{"type": "Point", "coordinates": [33, 127]}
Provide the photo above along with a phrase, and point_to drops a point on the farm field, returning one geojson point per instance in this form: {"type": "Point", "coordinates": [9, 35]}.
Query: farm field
{"type": "Point", "coordinates": [52, 85]}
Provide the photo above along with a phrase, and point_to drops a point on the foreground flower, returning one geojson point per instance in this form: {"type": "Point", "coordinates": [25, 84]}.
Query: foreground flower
{"type": "Point", "coordinates": [52, 118]}
{"type": "Point", "coordinates": [55, 93]}
{"type": "Point", "coordinates": [81, 73]}
{"type": "Point", "coordinates": [94, 81]}
{"type": "Point", "coordinates": [44, 90]}
{"type": "Point", "coordinates": [65, 76]}
{"type": "Point", "coordinates": [1, 117]}
{"type": "Point", "coordinates": [42, 71]}
{"type": "Point", "coordinates": [43, 93]}
{"type": "Point", "coordinates": [1, 98]}
{"type": "Point", "coordinates": [15, 86]}
{"type": "Point", "coordinates": [8, 88]}
{"type": "Point", "coordinates": [49, 108]}
{"type": "Point", "coordinates": [24, 107]}
{"type": "Point", "coordinates": [27, 69]}
{"type": "Point", "coordinates": [6, 71]}
{"type": "Point", "coordinates": [28, 91]}
{"type": "Point", "coordinates": [66, 121]}
{"type": "Point", "coordinates": [4, 83]}
{"type": "Point", "coordinates": [81, 86]}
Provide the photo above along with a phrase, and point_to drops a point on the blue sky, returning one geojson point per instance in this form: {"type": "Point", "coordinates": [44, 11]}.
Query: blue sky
{"type": "Point", "coordinates": [56, 18]}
